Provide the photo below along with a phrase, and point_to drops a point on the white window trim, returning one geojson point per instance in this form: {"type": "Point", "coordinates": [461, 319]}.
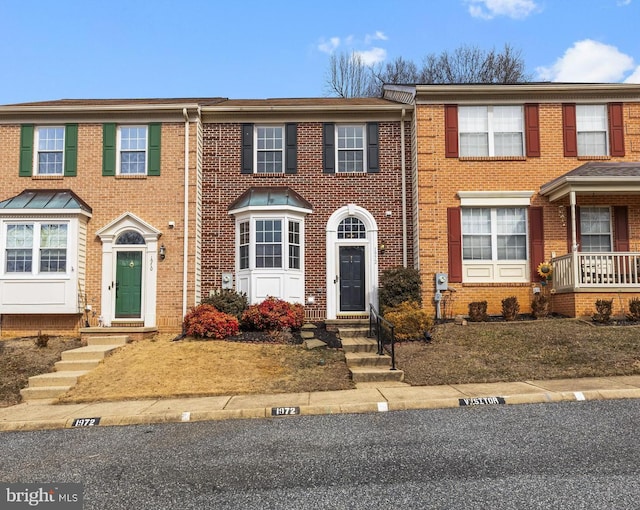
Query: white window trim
{"type": "Point", "coordinates": [36, 150]}
{"type": "Point", "coordinates": [491, 132]}
{"type": "Point", "coordinates": [362, 126]}
{"type": "Point", "coordinates": [119, 149]}
{"type": "Point", "coordinates": [495, 198]}
{"type": "Point", "coordinates": [72, 233]}
{"type": "Point", "coordinates": [256, 150]}
{"type": "Point", "coordinates": [606, 131]}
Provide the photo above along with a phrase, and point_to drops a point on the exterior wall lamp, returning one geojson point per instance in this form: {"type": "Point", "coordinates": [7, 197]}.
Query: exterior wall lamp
{"type": "Point", "coordinates": [163, 252]}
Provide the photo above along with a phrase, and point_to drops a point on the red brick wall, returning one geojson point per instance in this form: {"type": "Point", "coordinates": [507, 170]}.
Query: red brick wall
{"type": "Point", "coordinates": [440, 178]}
{"type": "Point", "coordinates": [376, 192]}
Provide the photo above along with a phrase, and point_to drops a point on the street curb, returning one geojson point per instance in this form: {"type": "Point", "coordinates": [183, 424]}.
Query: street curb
{"type": "Point", "coordinates": [327, 409]}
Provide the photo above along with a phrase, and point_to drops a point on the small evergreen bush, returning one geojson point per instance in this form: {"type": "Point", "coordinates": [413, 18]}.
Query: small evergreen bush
{"type": "Point", "coordinates": [398, 285]}
{"type": "Point", "coordinates": [478, 311]}
{"type": "Point", "coordinates": [634, 309]}
{"type": "Point", "coordinates": [410, 321]}
{"type": "Point", "coordinates": [228, 301]}
{"type": "Point", "coordinates": [540, 306]}
{"type": "Point", "coordinates": [510, 308]}
{"type": "Point", "coordinates": [205, 321]}
{"type": "Point", "coordinates": [273, 314]}
{"type": "Point", "coordinates": [603, 311]}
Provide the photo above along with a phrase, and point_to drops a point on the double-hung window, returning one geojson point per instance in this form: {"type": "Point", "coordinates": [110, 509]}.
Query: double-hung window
{"type": "Point", "coordinates": [494, 233]}
{"type": "Point", "coordinates": [268, 243]}
{"type": "Point", "coordinates": [595, 229]}
{"type": "Point", "coordinates": [39, 247]}
{"type": "Point", "coordinates": [132, 143]}
{"type": "Point", "coordinates": [350, 148]}
{"type": "Point", "coordinates": [591, 127]}
{"type": "Point", "coordinates": [491, 131]}
{"type": "Point", "coordinates": [269, 149]}
{"type": "Point", "coordinates": [49, 153]}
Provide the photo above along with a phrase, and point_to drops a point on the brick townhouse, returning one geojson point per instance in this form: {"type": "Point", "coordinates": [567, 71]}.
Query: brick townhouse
{"type": "Point", "coordinates": [98, 220]}
{"type": "Point", "coordinates": [510, 176]}
{"type": "Point", "coordinates": [307, 200]}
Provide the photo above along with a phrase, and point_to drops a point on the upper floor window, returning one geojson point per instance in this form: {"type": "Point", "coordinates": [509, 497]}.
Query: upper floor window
{"type": "Point", "coordinates": [132, 150]}
{"type": "Point", "coordinates": [350, 148]}
{"type": "Point", "coordinates": [591, 127]}
{"type": "Point", "coordinates": [36, 245]}
{"type": "Point", "coordinates": [491, 131]}
{"type": "Point", "coordinates": [595, 229]}
{"type": "Point", "coordinates": [49, 150]}
{"type": "Point", "coordinates": [494, 233]}
{"type": "Point", "coordinates": [269, 149]}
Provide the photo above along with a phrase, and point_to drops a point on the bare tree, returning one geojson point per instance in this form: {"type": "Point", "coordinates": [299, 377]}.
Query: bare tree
{"type": "Point", "coordinates": [350, 77]}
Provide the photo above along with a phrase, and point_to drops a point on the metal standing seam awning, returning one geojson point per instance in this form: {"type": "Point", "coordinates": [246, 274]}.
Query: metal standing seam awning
{"type": "Point", "coordinates": [45, 200]}
{"type": "Point", "coordinates": [270, 196]}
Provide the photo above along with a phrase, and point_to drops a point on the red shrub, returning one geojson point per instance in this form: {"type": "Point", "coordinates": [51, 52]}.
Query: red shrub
{"type": "Point", "coordinates": [273, 314]}
{"type": "Point", "coordinates": [206, 322]}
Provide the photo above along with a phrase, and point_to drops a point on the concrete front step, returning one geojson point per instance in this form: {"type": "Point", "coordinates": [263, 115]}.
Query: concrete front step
{"type": "Point", "coordinates": [90, 352]}
{"type": "Point", "coordinates": [76, 365]}
{"type": "Point", "coordinates": [107, 340]}
{"type": "Point", "coordinates": [55, 379]}
{"type": "Point", "coordinates": [46, 392]}
{"type": "Point", "coordinates": [375, 374]}
{"type": "Point", "coordinates": [368, 359]}
{"type": "Point", "coordinates": [359, 344]}
{"type": "Point", "coordinates": [350, 332]}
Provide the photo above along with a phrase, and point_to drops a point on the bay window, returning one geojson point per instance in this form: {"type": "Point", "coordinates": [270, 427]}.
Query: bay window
{"type": "Point", "coordinates": [36, 247]}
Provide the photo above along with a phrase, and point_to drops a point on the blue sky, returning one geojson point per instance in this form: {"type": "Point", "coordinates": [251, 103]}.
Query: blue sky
{"type": "Point", "coordinates": [258, 49]}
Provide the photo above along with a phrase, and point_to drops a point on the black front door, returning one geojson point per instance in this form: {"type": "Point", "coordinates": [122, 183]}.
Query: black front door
{"type": "Point", "coordinates": [352, 279]}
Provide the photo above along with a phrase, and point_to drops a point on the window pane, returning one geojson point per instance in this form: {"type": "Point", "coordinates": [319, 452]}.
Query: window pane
{"type": "Point", "coordinates": [269, 162]}
{"type": "Point", "coordinates": [19, 261]}
{"type": "Point", "coordinates": [508, 144]}
{"type": "Point", "coordinates": [474, 144]}
{"type": "Point", "coordinates": [132, 163]}
{"type": "Point", "coordinates": [473, 119]}
{"type": "Point", "coordinates": [350, 137]}
{"type": "Point", "coordinates": [351, 228]}
{"type": "Point", "coordinates": [476, 221]}
{"type": "Point", "coordinates": [294, 245]}
{"type": "Point", "coordinates": [507, 119]}
{"type": "Point", "coordinates": [476, 247]}
{"type": "Point", "coordinates": [20, 236]}
{"type": "Point", "coordinates": [130, 237]}
{"type": "Point", "coordinates": [595, 227]}
{"type": "Point", "coordinates": [512, 247]}
{"type": "Point", "coordinates": [591, 117]}
{"type": "Point", "coordinates": [268, 243]}
{"type": "Point", "coordinates": [244, 245]}
{"type": "Point", "coordinates": [351, 161]}
{"type": "Point", "coordinates": [592, 144]}
{"type": "Point", "coordinates": [511, 221]}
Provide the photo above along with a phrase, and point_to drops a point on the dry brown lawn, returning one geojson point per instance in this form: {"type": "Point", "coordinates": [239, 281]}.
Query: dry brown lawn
{"type": "Point", "coordinates": [162, 368]}
{"type": "Point", "coordinates": [519, 351]}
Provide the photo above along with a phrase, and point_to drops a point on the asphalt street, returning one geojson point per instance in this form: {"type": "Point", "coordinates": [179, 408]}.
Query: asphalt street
{"type": "Point", "coordinates": [572, 455]}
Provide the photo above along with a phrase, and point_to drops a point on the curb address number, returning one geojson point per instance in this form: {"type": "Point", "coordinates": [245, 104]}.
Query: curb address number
{"type": "Point", "coordinates": [284, 411]}
{"type": "Point", "coordinates": [85, 422]}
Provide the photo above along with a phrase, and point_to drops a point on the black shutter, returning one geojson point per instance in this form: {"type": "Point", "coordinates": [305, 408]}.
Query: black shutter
{"type": "Point", "coordinates": [328, 148]}
{"type": "Point", "coordinates": [291, 141]}
{"type": "Point", "coordinates": [373, 165]}
{"type": "Point", "coordinates": [247, 149]}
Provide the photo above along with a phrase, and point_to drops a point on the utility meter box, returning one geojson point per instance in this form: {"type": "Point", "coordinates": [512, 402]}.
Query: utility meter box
{"type": "Point", "coordinates": [227, 281]}
{"type": "Point", "coordinates": [442, 281]}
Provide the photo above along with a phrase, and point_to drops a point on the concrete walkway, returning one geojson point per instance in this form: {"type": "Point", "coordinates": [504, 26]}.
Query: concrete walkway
{"type": "Point", "coordinates": [368, 397]}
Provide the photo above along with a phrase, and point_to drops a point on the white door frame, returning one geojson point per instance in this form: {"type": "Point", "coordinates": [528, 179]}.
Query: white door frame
{"type": "Point", "coordinates": [333, 244]}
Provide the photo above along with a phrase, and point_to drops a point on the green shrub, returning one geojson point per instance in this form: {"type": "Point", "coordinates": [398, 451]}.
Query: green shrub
{"type": "Point", "coordinates": [205, 321]}
{"type": "Point", "coordinates": [478, 311]}
{"type": "Point", "coordinates": [540, 306]}
{"type": "Point", "coordinates": [634, 309]}
{"type": "Point", "coordinates": [398, 285]}
{"type": "Point", "coordinates": [273, 314]}
{"type": "Point", "coordinates": [510, 308]}
{"type": "Point", "coordinates": [410, 321]}
{"type": "Point", "coordinates": [228, 301]}
{"type": "Point", "coordinates": [603, 311]}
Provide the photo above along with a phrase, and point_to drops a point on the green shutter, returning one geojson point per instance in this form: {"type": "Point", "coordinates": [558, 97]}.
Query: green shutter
{"type": "Point", "coordinates": [108, 149]}
{"type": "Point", "coordinates": [153, 167]}
{"type": "Point", "coordinates": [26, 150]}
{"type": "Point", "coordinates": [71, 150]}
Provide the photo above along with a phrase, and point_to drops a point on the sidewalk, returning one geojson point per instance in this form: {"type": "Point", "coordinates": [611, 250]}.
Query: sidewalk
{"type": "Point", "coordinates": [368, 397]}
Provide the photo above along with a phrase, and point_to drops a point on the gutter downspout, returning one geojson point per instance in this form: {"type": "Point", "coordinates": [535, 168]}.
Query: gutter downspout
{"type": "Point", "coordinates": [404, 191]}
{"type": "Point", "coordinates": [185, 253]}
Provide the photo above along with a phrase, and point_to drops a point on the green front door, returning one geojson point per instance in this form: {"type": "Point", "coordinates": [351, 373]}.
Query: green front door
{"type": "Point", "coordinates": [128, 284]}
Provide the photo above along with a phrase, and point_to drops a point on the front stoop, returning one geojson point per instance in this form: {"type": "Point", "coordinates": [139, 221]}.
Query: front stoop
{"type": "Point", "coordinates": [74, 364]}
{"type": "Point", "coordinates": [362, 359]}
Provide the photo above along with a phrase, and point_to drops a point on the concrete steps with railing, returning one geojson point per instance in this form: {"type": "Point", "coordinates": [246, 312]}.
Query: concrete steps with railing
{"type": "Point", "coordinates": [363, 361]}
{"type": "Point", "coordinates": [74, 364]}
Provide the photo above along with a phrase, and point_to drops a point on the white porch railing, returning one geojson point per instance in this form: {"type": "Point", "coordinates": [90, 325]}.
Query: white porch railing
{"type": "Point", "coordinates": [602, 270]}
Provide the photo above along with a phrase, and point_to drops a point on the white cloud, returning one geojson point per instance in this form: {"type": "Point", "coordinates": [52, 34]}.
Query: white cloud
{"type": "Point", "coordinates": [372, 56]}
{"type": "Point", "coordinates": [489, 9]}
{"type": "Point", "coordinates": [329, 46]}
{"type": "Point", "coordinates": [378, 36]}
{"type": "Point", "coordinates": [634, 77]}
{"type": "Point", "coordinates": [623, 2]}
{"type": "Point", "coordinates": [588, 61]}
